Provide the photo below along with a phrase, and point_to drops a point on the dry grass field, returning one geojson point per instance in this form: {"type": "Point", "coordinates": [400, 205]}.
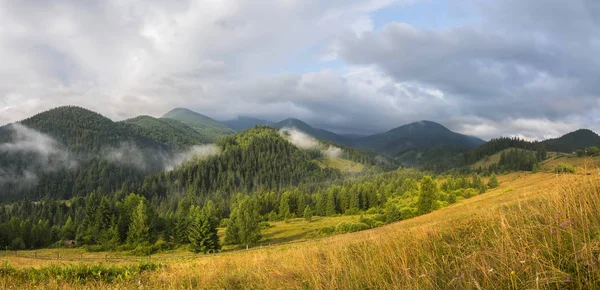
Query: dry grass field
{"type": "Point", "coordinates": [535, 231]}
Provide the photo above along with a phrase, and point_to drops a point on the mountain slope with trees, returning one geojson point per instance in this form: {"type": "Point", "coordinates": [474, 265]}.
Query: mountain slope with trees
{"type": "Point", "coordinates": [206, 126]}
{"type": "Point", "coordinates": [417, 135]}
{"type": "Point", "coordinates": [580, 139]}
{"type": "Point", "coordinates": [166, 131]}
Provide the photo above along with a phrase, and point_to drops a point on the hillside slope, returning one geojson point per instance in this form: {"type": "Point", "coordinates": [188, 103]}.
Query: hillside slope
{"type": "Point", "coordinates": [417, 135]}
{"type": "Point", "coordinates": [489, 241]}
{"type": "Point", "coordinates": [70, 151]}
{"type": "Point", "coordinates": [166, 131]}
{"type": "Point", "coordinates": [572, 141]}
{"type": "Point", "coordinates": [204, 125]}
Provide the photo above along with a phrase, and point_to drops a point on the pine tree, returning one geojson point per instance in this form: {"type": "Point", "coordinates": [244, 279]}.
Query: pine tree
{"type": "Point", "coordinates": [493, 183]}
{"type": "Point", "coordinates": [284, 205]}
{"type": "Point", "coordinates": [428, 194]}
{"type": "Point", "coordinates": [139, 230]}
{"type": "Point", "coordinates": [243, 225]}
{"type": "Point", "coordinates": [68, 230]}
{"type": "Point", "coordinates": [203, 230]}
{"type": "Point", "coordinates": [308, 214]}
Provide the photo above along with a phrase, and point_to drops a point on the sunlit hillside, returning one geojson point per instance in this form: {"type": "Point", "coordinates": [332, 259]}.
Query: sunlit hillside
{"type": "Point", "coordinates": [533, 231]}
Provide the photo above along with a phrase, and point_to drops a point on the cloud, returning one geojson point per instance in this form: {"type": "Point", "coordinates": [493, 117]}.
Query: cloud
{"type": "Point", "coordinates": [127, 153]}
{"type": "Point", "coordinates": [195, 152]}
{"type": "Point", "coordinates": [339, 65]}
{"type": "Point", "coordinates": [307, 142]}
{"type": "Point", "coordinates": [42, 152]}
{"type": "Point", "coordinates": [300, 139]}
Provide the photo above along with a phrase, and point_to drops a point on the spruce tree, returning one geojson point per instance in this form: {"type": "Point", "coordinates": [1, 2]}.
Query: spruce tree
{"type": "Point", "coordinates": [139, 231]}
{"type": "Point", "coordinates": [428, 194]}
{"type": "Point", "coordinates": [493, 183]}
{"type": "Point", "coordinates": [243, 225]}
{"type": "Point", "coordinates": [308, 214]}
{"type": "Point", "coordinates": [203, 230]}
{"type": "Point", "coordinates": [68, 230]}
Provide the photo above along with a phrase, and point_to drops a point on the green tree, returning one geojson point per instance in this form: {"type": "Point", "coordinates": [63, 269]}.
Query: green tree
{"type": "Point", "coordinates": [243, 225]}
{"type": "Point", "coordinates": [203, 230]}
{"type": "Point", "coordinates": [493, 183]}
{"type": "Point", "coordinates": [308, 214]}
{"type": "Point", "coordinates": [139, 230]}
{"type": "Point", "coordinates": [428, 195]}
{"type": "Point", "coordinates": [68, 230]}
{"type": "Point", "coordinates": [284, 205]}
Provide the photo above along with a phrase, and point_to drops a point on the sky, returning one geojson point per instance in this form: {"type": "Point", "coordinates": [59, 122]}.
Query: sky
{"type": "Point", "coordinates": [487, 68]}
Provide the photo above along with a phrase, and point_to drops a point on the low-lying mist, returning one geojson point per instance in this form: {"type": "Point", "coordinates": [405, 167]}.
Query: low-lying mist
{"type": "Point", "coordinates": [43, 153]}
{"type": "Point", "coordinates": [305, 141]}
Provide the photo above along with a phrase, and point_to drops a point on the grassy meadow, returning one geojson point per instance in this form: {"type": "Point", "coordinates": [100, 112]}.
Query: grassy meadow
{"type": "Point", "coordinates": [535, 231]}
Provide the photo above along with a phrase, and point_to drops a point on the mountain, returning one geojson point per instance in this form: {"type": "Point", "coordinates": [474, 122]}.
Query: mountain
{"type": "Point", "coordinates": [570, 142]}
{"type": "Point", "coordinates": [314, 132]}
{"type": "Point", "coordinates": [171, 132]}
{"type": "Point", "coordinates": [242, 123]}
{"type": "Point", "coordinates": [71, 151]}
{"type": "Point", "coordinates": [417, 135]}
{"type": "Point", "coordinates": [206, 126]}
{"type": "Point", "coordinates": [80, 130]}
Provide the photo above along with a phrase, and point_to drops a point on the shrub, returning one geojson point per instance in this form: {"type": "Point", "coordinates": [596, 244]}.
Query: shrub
{"type": "Point", "coordinates": [564, 168]}
{"type": "Point", "coordinates": [349, 227]}
{"type": "Point", "coordinates": [79, 272]}
{"type": "Point", "coordinates": [372, 211]}
{"type": "Point", "coordinates": [408, 212]}
{"type": "Point", "coordinates": [265, 225]}
{"type": "Point", "coordinates": [378, 217]}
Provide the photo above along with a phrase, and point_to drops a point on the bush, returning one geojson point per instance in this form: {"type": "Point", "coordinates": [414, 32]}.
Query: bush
{"type": "Point", "coordinates": [564, 168]}
{"type": "Point", "coordinates": [378, 217]}
{"type": "Point", "coordinates": [79, 272]}
{"type": "Point", "coordinates": [372, 211]}
{"type": "Point", "coordinates": [349, 227]}
{"type": "Point", "coordinates": [408, 212]}
{"type": "Point", "coordinates": [265, 225]}
{"type": "Point", "coordinates": [326, 231]}
{"type": "Point", "coordinates": [351, 211]}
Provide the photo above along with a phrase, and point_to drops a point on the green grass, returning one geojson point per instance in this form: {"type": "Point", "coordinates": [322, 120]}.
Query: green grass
{"type": "Point", "coordinates": [342, 164]}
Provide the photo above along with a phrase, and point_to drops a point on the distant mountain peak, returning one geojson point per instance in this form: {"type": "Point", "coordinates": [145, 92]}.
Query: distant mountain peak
{"type": "Point", "coordinates": [204, 125]}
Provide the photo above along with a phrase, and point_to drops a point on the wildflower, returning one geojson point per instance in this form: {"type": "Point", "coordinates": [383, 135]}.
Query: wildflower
{"type": "Point", "coordinates": [522, 262]}
{"type": "Point", "coordinates": [568, 279]}
{"type": "Point", "coordinates": [565, 223]}
{"type": "Point", "coordinates": [512, 272]}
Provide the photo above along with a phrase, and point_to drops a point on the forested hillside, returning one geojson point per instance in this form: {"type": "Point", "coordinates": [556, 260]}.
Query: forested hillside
{"type": "Point", "coordinates": [70, 151]}
{"type": "Point", "coordinates": [166, 131]}
{"type": "Point", "coordinates": [418, 135]}
{"type": "Point", "coordinates": [580, 139]}
{"type": "Point", "coordinates": [209, 128]}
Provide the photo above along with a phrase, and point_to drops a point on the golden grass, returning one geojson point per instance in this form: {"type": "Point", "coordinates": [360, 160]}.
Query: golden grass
{"type": "Point", "coordinates": [535, 231]}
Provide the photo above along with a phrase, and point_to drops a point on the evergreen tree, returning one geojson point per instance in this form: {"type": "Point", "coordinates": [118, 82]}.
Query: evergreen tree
{"type": "Point", "coordinates": [203, 230]}
{"type": "Point", "coordinates": [493, 183]}
{"type": "Point", "coordinates": [308, 214]}
{"type": "Point", "coordinates": [139, 230]}
{"type": "Point", "coordinates": [428, 194]}
{"type": "Point", "coordinates": [243, 225]}
{"type": "Point", "coordinates": [68, 230]}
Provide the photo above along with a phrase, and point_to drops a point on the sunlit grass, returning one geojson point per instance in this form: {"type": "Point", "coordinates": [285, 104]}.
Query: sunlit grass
{"type": "Point", "coordinates": [534, 231]}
